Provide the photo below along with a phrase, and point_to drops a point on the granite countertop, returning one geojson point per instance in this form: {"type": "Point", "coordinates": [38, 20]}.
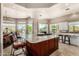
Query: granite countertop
{"type": "Point", "coordinates": [37, 39]}
{"type": "Point", "coordinates": [72, 34]}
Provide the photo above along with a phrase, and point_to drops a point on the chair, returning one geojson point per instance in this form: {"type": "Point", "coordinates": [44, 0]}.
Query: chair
{"type": "Point", "coordinates": [17, 45]}
{"type": "Point", "coordinates": [6, 41]}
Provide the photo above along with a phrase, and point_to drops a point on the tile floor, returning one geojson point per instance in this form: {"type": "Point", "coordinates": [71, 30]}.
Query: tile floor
{"type": "Point", "coordinates": [64, 50]}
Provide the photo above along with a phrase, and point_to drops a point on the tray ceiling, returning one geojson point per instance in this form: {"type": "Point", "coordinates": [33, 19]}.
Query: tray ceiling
{"type": "Point", "coordinates": [36, 5]}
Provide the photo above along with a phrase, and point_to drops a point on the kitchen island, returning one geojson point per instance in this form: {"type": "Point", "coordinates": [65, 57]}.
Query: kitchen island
{"type": "Point", "coordinates": [42, 45]}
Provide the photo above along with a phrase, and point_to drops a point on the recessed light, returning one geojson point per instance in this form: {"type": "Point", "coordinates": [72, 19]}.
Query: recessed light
{"type": "Point", "coordinates": [40, 15]}
{"type": "Point", "coordinates": [67, 9]}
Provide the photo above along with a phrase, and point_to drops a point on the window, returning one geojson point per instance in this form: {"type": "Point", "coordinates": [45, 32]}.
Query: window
{"type": "Point", "coordinates": [21, 29]}
{"type": "Point", "coordinates": [53, 28]}
{"type": "Point", "coordinates": [29, 28]}
{"type": "Point", "coordinates": [10, 26]}
{"type": "Point", "coordinates": [42, 28]}
{"type": "Point", "coordinates": [74, 26]}
{"type": "Point", "coordinates": [71, 28]}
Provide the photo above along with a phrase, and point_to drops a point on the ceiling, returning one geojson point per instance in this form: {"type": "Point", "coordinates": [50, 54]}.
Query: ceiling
{"type": "Point", "coordinates": [58, 12]}
{"type": "Point", "coordinates": [36, 5]}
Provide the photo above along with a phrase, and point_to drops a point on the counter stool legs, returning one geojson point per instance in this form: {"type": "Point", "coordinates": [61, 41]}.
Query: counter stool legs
{"type": "Point", "coordinates": [67, 37]}
{"type": "Point", "coordinates": [13, 51]}
{"type": "Point", "coordinates": [61, 38]}
{"type": "Point", "coordinates": [69, 40]}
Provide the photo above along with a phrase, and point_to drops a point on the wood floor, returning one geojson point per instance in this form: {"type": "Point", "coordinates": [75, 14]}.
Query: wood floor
{"type": "Point", "coordinates": [64, 50]}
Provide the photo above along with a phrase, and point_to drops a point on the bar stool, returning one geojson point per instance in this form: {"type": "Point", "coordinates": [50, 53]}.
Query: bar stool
{"type": "Point", "coordinates": [61, 36]}
{"type": "Point", "coordinates": [67, 37]}
{"type": "Point", "coordinates": [17, 45]}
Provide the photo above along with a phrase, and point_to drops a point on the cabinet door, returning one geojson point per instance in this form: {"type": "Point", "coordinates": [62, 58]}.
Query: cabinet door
{"type": "Point", "coordinates": [44, 48]}
{"type": "Point", "coordinates": [50, 46]}
{"type": "Point", "coordinates": [56, 40]}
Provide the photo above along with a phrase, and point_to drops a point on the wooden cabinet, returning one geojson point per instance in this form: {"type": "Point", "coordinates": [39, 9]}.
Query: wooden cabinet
{"type": "Point", "coordinates": [43, 48]}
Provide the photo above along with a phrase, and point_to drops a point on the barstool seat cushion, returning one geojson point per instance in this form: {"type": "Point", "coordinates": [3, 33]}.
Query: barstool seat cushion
{"type": "Point", "coordinates": [17, 45]}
